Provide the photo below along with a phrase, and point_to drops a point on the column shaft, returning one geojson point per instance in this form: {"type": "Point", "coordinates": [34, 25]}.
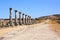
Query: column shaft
{"type": "Point", "coordinates": [23, 21]}
{"type": "Point", "coordinates": [20, 21]}
{"type": "Point", "coordinates": [30, 19]}
{"type": "Point", "coordinates": [10, 16]}
{"type": "Point", "coordinates": [16, 19]}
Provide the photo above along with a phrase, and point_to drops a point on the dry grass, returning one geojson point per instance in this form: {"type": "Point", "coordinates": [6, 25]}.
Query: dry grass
{"type": "Point", "coordinates": [40, 21]}
{"type": "Point", "coordinates": [8, 29]}
{"type": "Point", "coordinates": [54, 27]}
{"type": "Point", "coordinates": [52, 22]}
{"type": "Point", "coordinates": [15, 28]}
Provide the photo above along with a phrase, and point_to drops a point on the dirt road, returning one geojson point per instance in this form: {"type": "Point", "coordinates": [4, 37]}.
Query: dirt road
{"type": "Point", "coordinates": [38, 32]}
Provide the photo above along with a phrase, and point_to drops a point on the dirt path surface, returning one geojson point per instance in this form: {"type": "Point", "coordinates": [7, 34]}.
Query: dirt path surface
{"type": "Point", "coordinates": [38, 32]}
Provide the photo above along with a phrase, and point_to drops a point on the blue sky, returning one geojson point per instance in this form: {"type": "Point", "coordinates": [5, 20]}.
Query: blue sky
{"type": "Point", "coordinates": [35, 8]}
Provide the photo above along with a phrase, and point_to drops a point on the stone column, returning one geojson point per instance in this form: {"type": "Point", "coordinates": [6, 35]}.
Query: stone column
{"type": "Point", "coordinates": [2, 23]}
{"type": "Point", "coordinates": [11, 23]}
{"type": "Point", "coordinates": [30, 19]}
{"type": "Point", "coordinates": [23, 21]}
{"type": "Point", "coordinates": [20, 21]}
{"type": "Point", "coordinates": [16, 19]}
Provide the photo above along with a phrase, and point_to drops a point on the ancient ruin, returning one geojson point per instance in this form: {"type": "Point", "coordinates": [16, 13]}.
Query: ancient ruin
{"type": "Point", "coordinates": [22, 20]}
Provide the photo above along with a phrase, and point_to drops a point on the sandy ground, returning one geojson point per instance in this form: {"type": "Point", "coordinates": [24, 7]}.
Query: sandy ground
{"type": "Point", "coordinates": [5, 30]}
{"type": "Point", "coordinates": [39, 31]}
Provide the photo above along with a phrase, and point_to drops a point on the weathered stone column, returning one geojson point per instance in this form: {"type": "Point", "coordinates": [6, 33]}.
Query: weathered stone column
{"type": "Point", "coordinates": [30, 19]}
{"type": "Point", "coordinates": [11, 23]}
{"type": "Point", "coordinates": [26, 19]}
{"type": "Point", "coordinates": [20, 21]}
{"type": "Point", "coordinates": [23, 21]}
{"type": "Point", "coordinates": [2, 23]}
{"type": "Point", "coordinates": [16, 19]}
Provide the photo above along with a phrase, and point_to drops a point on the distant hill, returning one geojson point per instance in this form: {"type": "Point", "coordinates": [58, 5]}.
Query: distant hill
{"type": "Point", "coordinates": [55, 17]}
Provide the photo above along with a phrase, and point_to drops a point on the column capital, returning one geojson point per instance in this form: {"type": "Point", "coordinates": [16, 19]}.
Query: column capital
{"type": "Point", "coordinates": [16, 11]}
{"type": "Point", "coordinates": [28, 16]}
{"type": "Point", "coordinates": [23, 14]}
{"type": "Point", "coordinates": [20, 12]}
{"type": "Point", "coordinates": [10, 8]}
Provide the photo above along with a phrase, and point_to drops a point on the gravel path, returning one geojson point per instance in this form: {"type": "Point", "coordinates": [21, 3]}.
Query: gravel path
{"type": "Point", "coordinates": [39, 32]}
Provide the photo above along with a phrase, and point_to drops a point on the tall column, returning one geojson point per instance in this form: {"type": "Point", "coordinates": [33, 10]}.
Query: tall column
{"type": "Point", "coordinates": [11, 23]}
{"type": "Point", "coordinates": [16, 19]}
{"type": "Point", "coordinates": [2, 23]}
{"type": "Point", "coordinates": [20, 21]}
{"type": "Point", "coordinates": [30, 19]}
{"type": "Point", "coordinates": [23, 21]}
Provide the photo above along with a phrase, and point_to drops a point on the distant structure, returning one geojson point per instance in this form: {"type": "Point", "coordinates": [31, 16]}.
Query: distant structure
{"type": "Point", "coordinates": [11, 23]}
{"type": "Point", "coordinates": [22, 20]}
